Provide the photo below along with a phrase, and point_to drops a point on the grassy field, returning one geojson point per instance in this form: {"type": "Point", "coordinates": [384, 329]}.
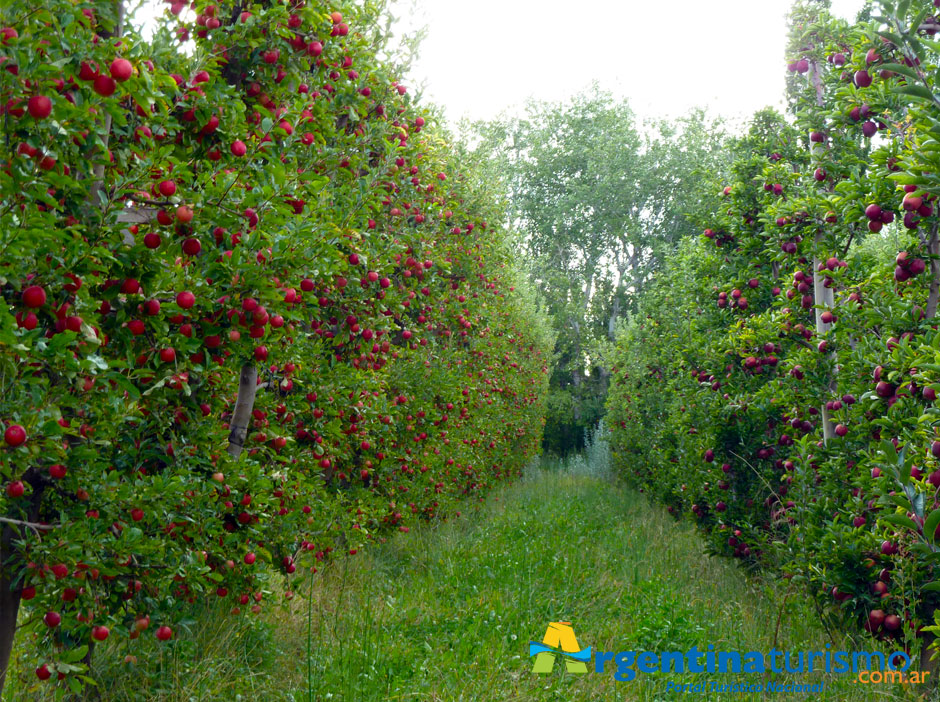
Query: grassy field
{"type": "Point", "coordinates": [447, 613]}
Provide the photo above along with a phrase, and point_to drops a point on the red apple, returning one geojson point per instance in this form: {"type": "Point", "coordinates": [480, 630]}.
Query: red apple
{"type": "Point", "coordinates": [186, 300]}
{"type": "Point", "coordinates": [121, 69]}
{"type": "Point", "coordinates": [39, 107]}
{"type": "Point", "coordinates": [862, 79]}
{"type": "Point", "coordinates": [192, 247]}
{"type": "Point", "coordinates": [104, 85]}
{"type": "Point", "coordinates": [15, 435]}
{"type": "Point", "coordinates": [34, 296]}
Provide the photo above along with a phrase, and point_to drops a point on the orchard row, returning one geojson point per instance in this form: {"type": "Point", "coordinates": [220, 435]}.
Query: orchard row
{"type": "Point", "coordinates": [798, 337]}
{"type": "Point", "coordinates": [254, 315]}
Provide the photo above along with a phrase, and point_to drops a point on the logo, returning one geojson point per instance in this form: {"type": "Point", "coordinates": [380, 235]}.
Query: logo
{"type": "Point", "coordinates": [868, 667]}
{"type": "Point", "coordinates": [559, 641]}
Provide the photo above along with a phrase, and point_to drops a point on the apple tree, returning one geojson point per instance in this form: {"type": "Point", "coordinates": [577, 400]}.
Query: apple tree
{"type": "Point", "coordinates": [256, 313]}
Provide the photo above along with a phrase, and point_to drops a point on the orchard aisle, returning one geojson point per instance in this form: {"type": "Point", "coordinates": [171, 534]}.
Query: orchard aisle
{"type": "Point", "coordinates": [447, 614]}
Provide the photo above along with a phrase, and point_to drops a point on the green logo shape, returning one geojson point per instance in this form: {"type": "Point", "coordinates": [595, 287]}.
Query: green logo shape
{"type": "Point", "coordinates": [560, 638]}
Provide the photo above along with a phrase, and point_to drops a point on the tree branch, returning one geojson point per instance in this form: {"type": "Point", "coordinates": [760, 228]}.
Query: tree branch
{"type": "Point", "coordinates": [31, 525]}
{"type": "Point", "coordinates": [247, 389]}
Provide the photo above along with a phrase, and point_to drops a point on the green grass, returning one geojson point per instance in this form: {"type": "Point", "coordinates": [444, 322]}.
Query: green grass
{"type": "Point", "coordinates": [446, 613]}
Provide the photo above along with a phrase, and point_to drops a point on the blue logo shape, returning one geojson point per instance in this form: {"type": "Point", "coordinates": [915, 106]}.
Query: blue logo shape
{"type": "Point", "coordinates": [584, 655]}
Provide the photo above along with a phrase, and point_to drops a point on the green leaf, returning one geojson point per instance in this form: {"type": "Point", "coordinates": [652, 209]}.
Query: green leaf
{"type": "Point", "coordinates": [917, 500]}
{"type": "Point", "coordinates": [7, 321]}
{"type": "Point", "coordinates": [73, 655]}
{"type": "Point", "coordinates": [920, 17]}
{"type": "Point", "coordinates": [901, 69]}
{"type": "Point", "coordinates": [931, 524]}
{"type": "Point", "coordinates": [131, 389]}
{"type": "Point", "coordinates": [893, 38]}
{"type": "Point", "coordinates": [931, 44]}
{"type": "Point", "coordinates": [917, 91]}
{"type": "Point", "coordinates": [900, 520]}
{"type": "Point", "coordinates": [97, 361]}
{"type": "Point", "coordinates": [931, 587]}
{"type": "Point", "coordinates": [897, 500]}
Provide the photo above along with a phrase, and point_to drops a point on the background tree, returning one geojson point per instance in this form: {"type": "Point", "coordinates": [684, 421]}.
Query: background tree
{"type": "Point", "coordinates": [598, 198]}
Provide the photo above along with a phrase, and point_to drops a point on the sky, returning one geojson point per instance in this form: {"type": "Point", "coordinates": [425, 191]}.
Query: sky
{"type": "Point", "coordinates": [481, 57]}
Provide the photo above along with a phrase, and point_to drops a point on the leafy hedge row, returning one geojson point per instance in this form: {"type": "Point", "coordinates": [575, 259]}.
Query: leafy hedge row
{"type": "Point", "coordinates": [247, 203]}
{"type": "Point", "coordinates": [779, 383]}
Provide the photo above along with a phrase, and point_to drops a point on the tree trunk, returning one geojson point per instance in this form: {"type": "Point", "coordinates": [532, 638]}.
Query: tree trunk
{"type": "Point", "coordinates": [96, 194]}
{"type": "Point", "coordinates": [577, 375]}
{"type": "Point", "coordinates": [9, 603]}
{"type": "Point", "coordinates": [577, 362]}
{"type": "Point", "coordinates": [933, 247]}
{"type": "Point", "coordinates": [605, 381]}
{"type": "Point", "coordinates": [612, 322]}
{"type": "Point", "coordinates": [825, 300]}
{"type": "Point", "coordinates": [241, 418]}
{"type": "Point", "coordinates": [10, 595]}
{"type": "Point", "coordinates": [822, 296]}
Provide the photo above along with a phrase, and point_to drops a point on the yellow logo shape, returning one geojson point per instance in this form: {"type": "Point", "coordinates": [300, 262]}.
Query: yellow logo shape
{"type": "Point", "coordinates": [559, 640]}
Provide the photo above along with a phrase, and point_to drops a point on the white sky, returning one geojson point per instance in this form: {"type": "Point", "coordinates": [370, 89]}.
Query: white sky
{"type": "Point", "coordinates": [484, 56]}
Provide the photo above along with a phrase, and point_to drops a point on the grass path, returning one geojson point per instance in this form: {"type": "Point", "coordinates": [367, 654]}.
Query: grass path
{"type": "Point", "coordinates": [446, 613]}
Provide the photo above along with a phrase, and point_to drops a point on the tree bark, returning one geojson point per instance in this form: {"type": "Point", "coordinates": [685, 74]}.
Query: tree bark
{"type": "Point", "coordinates": [96, 193]}
{"type": "Point", "coordinates": [577, 370]}
{"type": "Point", "coordinates": [241, 418]}
{"type": "Point", "coordinates": [824, 298]}
{"type": "Point", "coordinates": [605, 381]}
{"type": "Point", "coordinates": [9, 604]}
{"type": "Point", "coordinates": [933, 247]}
{"type": "Point", "coordinates": [614, 314]}
{"type": "Point", "coordinates": [10, 594]}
